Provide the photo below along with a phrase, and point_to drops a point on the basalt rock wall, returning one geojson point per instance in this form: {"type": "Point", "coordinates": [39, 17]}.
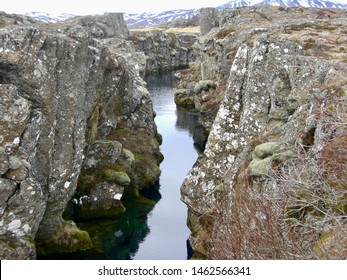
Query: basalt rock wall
{"type": "Point", "coordinates": [65, 97]}
{"type": "Point", "coordinates": [281, 69]}
{"type": "Point", "coordinates": [165, 51]}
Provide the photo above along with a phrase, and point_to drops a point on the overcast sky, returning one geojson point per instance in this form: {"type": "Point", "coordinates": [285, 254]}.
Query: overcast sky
{"type": "Point", "coordinates": [83, 7]}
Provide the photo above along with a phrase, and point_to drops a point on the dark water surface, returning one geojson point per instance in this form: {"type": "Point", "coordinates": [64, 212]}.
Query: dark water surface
{"type": "Point", "coordinates": [149, 230]}
{"type": "Point", "coordinates": [167, 221]}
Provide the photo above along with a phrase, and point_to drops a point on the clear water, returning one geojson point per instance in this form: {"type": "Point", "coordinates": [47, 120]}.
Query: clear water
{"type": "Point", "coordinates": [167, 221]}
{"type": "Point", "coordinates": [149, 231]}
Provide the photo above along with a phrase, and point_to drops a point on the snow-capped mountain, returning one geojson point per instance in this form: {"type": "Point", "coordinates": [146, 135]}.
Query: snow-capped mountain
{"type": "Point", "coordinates": [144, 20]}
{"type": "Point", "coordinates": [149, 19]}
{"type": "Point", "coordinates": [45, 17]}
{"type": "Point", "coordinates": [303, 3]}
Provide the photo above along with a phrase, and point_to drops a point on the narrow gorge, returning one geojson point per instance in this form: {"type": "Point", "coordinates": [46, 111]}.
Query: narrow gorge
{"type": "Point", "coordinates": [262, 92]}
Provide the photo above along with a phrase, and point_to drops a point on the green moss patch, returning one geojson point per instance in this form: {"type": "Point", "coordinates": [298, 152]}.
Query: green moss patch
{"type": "Point", "coordinates": [120, 178]}
{"type": "Point", "coordinates": [68, 238]}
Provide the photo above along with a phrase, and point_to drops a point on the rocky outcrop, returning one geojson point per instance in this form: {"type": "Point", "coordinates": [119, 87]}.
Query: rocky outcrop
{"type": "Point", "coordinates": [273, 111]}
{"type": "Point", "coordinates": [165, 51]}
{"type": "Point", "coordinates": [69, 101]}
{"type": "Point", "coordinates": [208, 20]}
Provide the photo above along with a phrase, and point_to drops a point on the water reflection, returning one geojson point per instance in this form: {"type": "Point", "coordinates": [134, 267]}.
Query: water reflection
{"type": "Point", "coordinates": [189, 121]}
{"type": "Point", "coordinates": [147, 230]}
{"type": "Point", "coordinates": [116, 239]}
{"type": "Point", "coordinates": [167, 221]}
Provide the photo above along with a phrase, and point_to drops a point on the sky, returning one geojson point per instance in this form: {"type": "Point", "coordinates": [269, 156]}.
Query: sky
{"type": "Point", "coordinates": [85, 7]}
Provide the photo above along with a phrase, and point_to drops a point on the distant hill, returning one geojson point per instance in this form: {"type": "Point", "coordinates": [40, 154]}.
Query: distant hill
{"type": "Point", "coordinates": [46, 17]}
{"type": "Point", "coordinates": [183, 16]}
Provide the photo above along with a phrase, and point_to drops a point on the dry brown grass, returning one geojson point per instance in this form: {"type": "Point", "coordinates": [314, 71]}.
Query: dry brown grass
{"type": "Point", "coordinates": [299, 211]}
{"type": "Point", "coordinates": [176, 30]}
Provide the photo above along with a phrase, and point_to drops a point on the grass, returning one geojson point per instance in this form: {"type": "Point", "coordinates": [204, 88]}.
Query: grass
{"type": "Point", "coordinates": [296, 211]}
{"type": "Point", "coordinates": [221, 34]}
{"type": "Point", "coordinates": [175, 30]}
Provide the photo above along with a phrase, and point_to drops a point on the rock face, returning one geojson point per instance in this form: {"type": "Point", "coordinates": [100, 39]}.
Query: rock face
{"type": "Point", "coordinates": [208, 20]}
{"type": "Point", "coordinates": [283, 70]}
{"type": "Point", "coordinates": [65, 97]}
{"type": "Point", "coordinates": [164, 51]}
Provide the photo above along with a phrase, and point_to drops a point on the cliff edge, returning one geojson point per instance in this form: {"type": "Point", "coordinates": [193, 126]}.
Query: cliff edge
{"type": "Point", "coordinates": [271, 183]}
{"type": "Point", "coordinates": [70, 102]}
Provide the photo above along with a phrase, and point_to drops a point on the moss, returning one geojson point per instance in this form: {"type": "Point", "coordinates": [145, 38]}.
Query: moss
{"type": "Point", "coordinates": [122, 131]}
{"type": "Point", "coordinates": [146, 201]}
{"type": "Point", "coordinates": [197, 256]}
{"type": "Point", "coordinates": [85, 184]}
{"type": "Point", "coordinates": [185, 102]}
{"type": "Point", "coordinates": [296, 40]}
{"type": "Point", "coordinates": [145, 149]}
{"type": "Point", "coordinates": [129, 156]}
{"type": "Point", "coordinates": [120, 178]}
{"type": "Point", "coordinates": [68, 238]}
{"type": "Point", "coordinates": [150, 177]}
{"type": "Point", "coordinates": [260, 166]}
{"type": "Point", "coordinates": [160, 158]}
{"type": "Point", "coordinates": [173, 37]}
{"type": "Point", "coordinates": [159, 138]}
{"type": "Point", "coordinates": [266, 149]}
{"type": "Point", "coordinates": [105, 212]}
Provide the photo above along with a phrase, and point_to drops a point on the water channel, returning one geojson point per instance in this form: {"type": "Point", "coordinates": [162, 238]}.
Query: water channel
{"type": "Point", "coordinates": [167, 221]}
{"type": "Point", "coordinates": [149, 230]}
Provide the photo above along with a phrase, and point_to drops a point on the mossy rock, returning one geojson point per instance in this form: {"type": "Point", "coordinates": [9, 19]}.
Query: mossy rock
{"type": "Point", "coordinates": [160, 158]}
{"type": "Point", "coordinates": [265, 150]}
{"type": "Point", "coordinates": [260, 166]}
{"type": "Point", "coordinates": [204, 85]}
{"type": "Point", "coordinates": [198, 257]}
{"type": "Point", "coordinates": [282, 157]}
{"type": "Point", "coordinates": [159, 138]}
{"type": "Point", "coordinates": [145, 149]}
{"type": "Point", "coordinates": [150, 177]}
{"type": "Point", "coordinates": [185, 102]}
{"type": "Point", "coordinates": [85, 183]}
{"type": "Point", "coordinates": [129, 156]}
{"type": "Point", "coordinates": [104, 201]}
{"type": "Point", "coordinates": [103, 212]}
{"type": "Point", "coordinates": [184, 99]}
{"type": "Point", "coordinates": [173, 37]}
{"type": "Point", "coordinates": [120, 178]}
{"type": "Point", "coordinates": [67, 239]}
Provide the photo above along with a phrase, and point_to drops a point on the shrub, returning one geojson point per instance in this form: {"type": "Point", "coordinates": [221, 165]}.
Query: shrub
{"type": "Point", "coordinates": [297, 211]}
{"type": "Point", "coordinates": [221, 34]}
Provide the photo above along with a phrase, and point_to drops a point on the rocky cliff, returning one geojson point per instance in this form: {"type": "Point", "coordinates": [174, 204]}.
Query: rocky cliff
{"type": "Point", "coordinates": [71, 100]}
{"type": "Point", "coordinates": [165, 51]}
{"type": "Point", "coordinates": [272, 180]}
